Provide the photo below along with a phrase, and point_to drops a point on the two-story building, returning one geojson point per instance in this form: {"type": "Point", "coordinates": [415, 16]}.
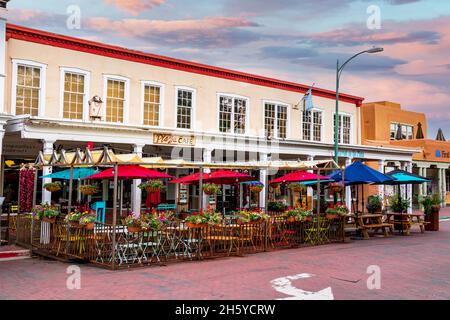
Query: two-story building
{"type": "Point", "coordinates": [158, 106]}
{"type": "Point", "coordinates": [387, 124]}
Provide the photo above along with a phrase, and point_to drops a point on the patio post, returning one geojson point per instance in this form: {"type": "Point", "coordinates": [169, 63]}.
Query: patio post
{"type": "Point", "coordinates": [36, 171]}
{"type": "Point", "coordinates": [266, 205]}
{"type": "Point", "coordinates": [318, 203]}
{"type": "Point", "coordinates": [69, 206]}
{"type": "Point", "coordinates": [200, 191]}
{"type": "Point", "coordinates": [114, 222]}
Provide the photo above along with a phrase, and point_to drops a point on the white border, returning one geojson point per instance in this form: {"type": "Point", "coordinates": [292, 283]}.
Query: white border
{"type": "Point", "coordinates": [162, 90]}
{"type": "Point", "coordinates": [194, 107]}
{"type": "Point", "coordinates": [42, 92]}
{"type": "Point", "coordinates": [247, 113]}
{"type": "Point", "coordinates": [127, 96]}
{"type": "Point", "coordinates": [87, 83]}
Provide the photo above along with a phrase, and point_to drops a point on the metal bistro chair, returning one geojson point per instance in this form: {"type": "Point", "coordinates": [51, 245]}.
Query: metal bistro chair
{"type": "Point", "coordinates": [100, 208]}
{"type": "Point", "coordinates": [317, 231]}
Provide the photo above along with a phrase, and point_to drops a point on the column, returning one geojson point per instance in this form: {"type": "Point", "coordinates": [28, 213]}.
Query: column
{"type": "Point", "coordinates": [47, 149]}
{"type": "Point", "coordinates": [348, 190]}
{"type": "Point", "coordinates": [444, 187]}
{"type": "Point", "coordinates": [262, 178]}
{"type": "Point", "coordinates": [2, 168]}
{"type": "Point", "coordinates": [136, 193]}
{"type": "Point", "coordinates": [309, 190]}
{"type": "Point", "coordinates": [410, 188]}
{"type": "Point", "coordinates": [207, 157]}
{"type": "Point", "coordinates": [441, 184]}
{"type": "Point", "coordinates": [425, 184]}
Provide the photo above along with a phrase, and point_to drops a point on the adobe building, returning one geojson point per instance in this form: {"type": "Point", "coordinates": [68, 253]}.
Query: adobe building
{"type": "Point", "coordinates": [387, 124]}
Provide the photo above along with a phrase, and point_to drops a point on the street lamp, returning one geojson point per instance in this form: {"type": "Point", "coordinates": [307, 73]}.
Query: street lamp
{"type": "Point", "coordinates": [339, 69]}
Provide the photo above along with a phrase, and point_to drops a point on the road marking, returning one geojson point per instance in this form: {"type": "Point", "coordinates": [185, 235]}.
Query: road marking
{"type": "Point", "coordinates": [284, 285]}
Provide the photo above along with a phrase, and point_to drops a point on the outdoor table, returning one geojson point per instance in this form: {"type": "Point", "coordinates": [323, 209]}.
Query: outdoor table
{"type": "Point", "coordinates": [406, 221]}
{"type": "Point", "coordinates": [372, 222]}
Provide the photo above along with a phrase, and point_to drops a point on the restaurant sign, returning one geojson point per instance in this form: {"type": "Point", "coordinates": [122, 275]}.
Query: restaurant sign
{"type": "Point", "coordinates": [171, 139]}
{"type": "Point", "coordinates": [442, 154]}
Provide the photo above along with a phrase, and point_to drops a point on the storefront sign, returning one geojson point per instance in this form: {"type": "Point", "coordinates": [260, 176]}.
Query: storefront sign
{"type": "Point", "coordinates": [162, 138]}
{"type": "Point", "coordinates": [351, 154]}
{"type": "Point", "coordinates": [21, 148]}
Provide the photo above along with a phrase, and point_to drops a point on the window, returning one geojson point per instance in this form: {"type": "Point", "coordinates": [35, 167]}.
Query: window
{"type": "Point", "coordinates": [116, 99]}
{"type": "Point", "coordinates": [275, 120]}
{"type": "Point", "coordinates": [74, 93]}
{"type": "Point", "coordinates": [184, 108]}
{"type": "Point", "coordinates": [344, 133]}
{"type": "Point", "coordinates": [312, 125]}
{"type": "Point", "coordinates": [232, 114]}
{"type": "Point", "coordinates": [152, 103]}
{"type": "Point", "coordinates": [28, 87]}
{"type": "Point", "coordinates": [407, 131]}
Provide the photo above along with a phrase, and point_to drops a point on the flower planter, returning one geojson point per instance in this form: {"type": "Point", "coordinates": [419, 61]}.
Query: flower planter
{"type": "Point", "coordinates": [432, 219]}
{"type": "Point", "coordinates": [134, 229]}
{"type": "Point", "coordinates": [332, 216]}
{"type": "Point", "coordinates": [196, 225]}
{"type": "Point", "coordinates": [292, 219]}
{"type": "Point", "coordinates": [49, 220]}
{"type": "Point", "coordinates": [75, 224]}
{"type": "Point", "coordinates": [89, 226]}
{"type": "Point", "coordinates": [88, 192]}
{"type": "Point", "coordinates": [209, 192]}
{"type": "Point", "coordinates": [152, 189]}
{"type": "Point", "coordinates": [308, 219]}
{"type": "Point", "coordinates": [53, 188]}
{"type": "Point", "coordinates": [255, 190]}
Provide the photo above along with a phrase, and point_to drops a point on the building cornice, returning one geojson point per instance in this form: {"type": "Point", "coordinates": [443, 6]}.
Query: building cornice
{"type": "Point", "coordinates": [77, 44]}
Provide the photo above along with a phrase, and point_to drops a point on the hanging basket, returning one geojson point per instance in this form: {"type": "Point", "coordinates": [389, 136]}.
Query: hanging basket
{"type": "Point", "coordinates": [152, 189]}
{"type": "Point", "coordinates": [88, 191]}
{"type": "Point", "coordinates": [89, 226]}
{"type": "Point", "coordinates": [75, 224]}
{"type": "Point", "coordinates": [196, 225]}
{"type": "Point", "coordinates": [210, 189]}
{"type": "Point", "coordinates": [256, 189]}
{"type": "Point", "coordinates": [52, 187]}
{"type": "Point", "coordinates": [336, 187]}
{"type": "Point", "coordinates": [134, 229]}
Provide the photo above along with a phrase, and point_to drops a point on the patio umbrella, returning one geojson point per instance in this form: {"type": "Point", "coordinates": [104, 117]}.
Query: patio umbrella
{"type": "Point", "coordinates": [78, 173]}
{"type": "Point", "coordinates": [190, 179]}
{"type": "Point", "coordinates": [130, 172]}
{"type": "Point", "coordinates": [298, 176]}
{"type": "Point", "coordinates": [405, 177]}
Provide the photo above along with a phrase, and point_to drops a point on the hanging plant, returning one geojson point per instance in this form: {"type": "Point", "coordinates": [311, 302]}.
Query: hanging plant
{"type": "Point", "coordinates": [53, 186]}
{"type": "Point", "coordinates": [152, 186]}
{"type": "Point", "coordinates": [336, 186]}
{"type": "Point", "coordinates": [88, 189]}
{"type": "Point", "coordinates": [210, 188]}
{"type": "Point", "coordinates": [257, 188]}
{"type": "Point", "coordinates": [297, 187]}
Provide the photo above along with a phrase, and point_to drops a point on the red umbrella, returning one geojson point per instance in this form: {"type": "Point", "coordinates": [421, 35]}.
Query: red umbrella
{"type": "Point", "coordinates": [130, 172]}
{"type": "Point", "coordinates": [298, 176]}
{"type": "Point", "coordinates": [217, 177]}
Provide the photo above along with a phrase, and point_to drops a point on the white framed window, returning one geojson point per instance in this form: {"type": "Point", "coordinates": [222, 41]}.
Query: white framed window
{"type": "Point", "coordinates": [345, 129]}
{"type": "Point", "coordinates": [406, 130]}
{"type": "Point", "coordinates": [312, 121]}
{"type": "Point", "coordinates": [275, 119]}
{"type": "Point", "coordinates": [74, 93]}
{"type": "Point", "coordinates": [232, 113]}
{"type": "Point", "coordinates": [116, 93]}
{"type": "Point", "coordinates": [28, 87]}
{"type": "Point", "coordinates": [185, 99]}
{"type": "Point", "coordinates": [152, 103]}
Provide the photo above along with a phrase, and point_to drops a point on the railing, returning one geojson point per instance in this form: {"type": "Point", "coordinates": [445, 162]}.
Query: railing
{"type": "Point", "coordinates": [174, 243]}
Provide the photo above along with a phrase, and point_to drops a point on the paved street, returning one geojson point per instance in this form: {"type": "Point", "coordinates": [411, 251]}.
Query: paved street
{"type": "Point", "coordinates": [414, 267]}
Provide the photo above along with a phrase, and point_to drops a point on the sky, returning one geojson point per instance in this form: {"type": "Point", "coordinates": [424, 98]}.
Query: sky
{"type": "Point", "coordinates": [294, 40]}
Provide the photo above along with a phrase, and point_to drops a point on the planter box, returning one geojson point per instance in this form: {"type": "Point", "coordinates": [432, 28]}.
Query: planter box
{"type": "Point", "coordinates": [433, 220]}
{"type": "Point", "coordinates": [49, 220]}
{"type": "Point", "coordinates": [134, 229]}
{"type": "Point", "coordinates": [195, 225]}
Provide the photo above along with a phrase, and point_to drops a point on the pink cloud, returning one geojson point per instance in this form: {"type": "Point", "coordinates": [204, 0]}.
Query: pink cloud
{"type": "Point", "coordinates": [134, 7]}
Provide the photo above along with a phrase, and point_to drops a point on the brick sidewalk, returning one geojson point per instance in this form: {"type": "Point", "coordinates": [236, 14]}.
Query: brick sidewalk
{"type": "Point", "coordinates": [414, 267]}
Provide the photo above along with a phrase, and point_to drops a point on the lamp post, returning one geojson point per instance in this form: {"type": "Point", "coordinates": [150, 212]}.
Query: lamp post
{"type": "Point", "coordinates": [339, 69]}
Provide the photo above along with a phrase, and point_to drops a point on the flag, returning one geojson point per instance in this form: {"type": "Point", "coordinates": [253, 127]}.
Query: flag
{"type": "Point", "coordinates": [307, 100]}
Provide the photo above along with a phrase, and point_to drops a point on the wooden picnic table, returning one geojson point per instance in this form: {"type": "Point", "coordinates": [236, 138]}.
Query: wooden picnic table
{"type": "Point", "coordinates": [372, 222]}
{"type": "Point", "coordinates": [406, 221]}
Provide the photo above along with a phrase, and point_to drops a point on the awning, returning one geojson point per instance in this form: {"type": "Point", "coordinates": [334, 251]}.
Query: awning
{"type": "Point", "coordinates": [130, 172]}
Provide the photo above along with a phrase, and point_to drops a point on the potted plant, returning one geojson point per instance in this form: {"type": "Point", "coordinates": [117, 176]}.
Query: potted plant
{"type": "Point", "coordinates": [256, 188]}
{"type": "Point", "coordinates": [45, 213]}
{"type": "Point", "coordinates": [87, 221]}
{"type": "Point", "coordinates": [134, 222]}
{"type": "Point", "coordinates": [251, 216]}
{"type": "Point", "coordinates": [306, 215]}
{"type": "Point", "coordinates": [276, 206]}
{"type": "Point", "coordinates": [399, 205]}
{"type": "Point", "coordinates": [73, 218]}
{"type": "Point", "coordinates": [53, 186]}
{"type": "Point", "coordinates": [297, 187]}
{"type": "Point", "coordinates": [196, 220]}
{"type": "Point", "coordinates": [374, 204]}
{"type": "Point", "coordinates": [210, 188]}
{"type": "Point", "coordinates": [336, 186]}
{"type": "Point", "coordinates": [432, 206]}
{"type": "Point", "coordinates": [331, 213]}
{"type": "Point", "coordinates": [292, 214]}
{"type": "Point", "coordinates": [211, 216]}
{"type": "Point", "coordinates": [152, 186]}
{"type": "Point", "coordinates": [88, 189]}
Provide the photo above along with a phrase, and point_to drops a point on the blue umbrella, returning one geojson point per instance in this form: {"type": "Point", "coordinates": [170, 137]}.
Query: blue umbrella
{"type": "Point", "coordinates": [405, 177]}
{"type": "Point", "coordinates": [78, 173]}
{"type": "Point", "coordinates": [359, 173]}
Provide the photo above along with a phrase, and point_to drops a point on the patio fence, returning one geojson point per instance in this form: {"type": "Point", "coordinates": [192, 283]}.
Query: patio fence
{"type": "Point", "coordinates": [174, 243]}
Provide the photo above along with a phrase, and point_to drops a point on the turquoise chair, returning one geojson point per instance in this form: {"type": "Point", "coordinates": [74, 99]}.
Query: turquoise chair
{"type": "Point", "coordinates": [100, 208]}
